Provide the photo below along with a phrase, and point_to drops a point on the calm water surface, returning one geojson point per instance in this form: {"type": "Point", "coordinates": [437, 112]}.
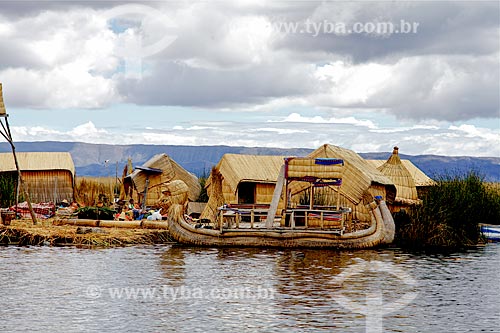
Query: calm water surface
{"type": "Point", "coordinates": [181, 289]}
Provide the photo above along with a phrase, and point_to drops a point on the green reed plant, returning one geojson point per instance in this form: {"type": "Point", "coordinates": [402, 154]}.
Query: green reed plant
{"type": "Point", "coordinates": [450, 214]}
{"type": "Point", "coordinates": [203, 197]}
{"type": "Point", "coordinates": [320, 198]}
{"type": "Point", "coordinates": [96, 213]}
{"type": "Point", "coordinates": [8, 184]}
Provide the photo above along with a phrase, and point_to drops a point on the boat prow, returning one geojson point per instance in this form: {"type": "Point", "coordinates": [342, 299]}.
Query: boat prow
{"type": "Point", "coordinates": [491, 232]}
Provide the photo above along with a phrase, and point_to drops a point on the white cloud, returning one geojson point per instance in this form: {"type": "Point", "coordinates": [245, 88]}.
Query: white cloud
{"type": "Point", "coordinates": [278, 130]}
{"type": "Point", "coordinates": [6, 29]}
{"type": "Point", "coordinates": [191, 128]}
{"type": "Point", "coordinates": [73, 51]}
{"type": "Point", "coordinates": [66, 86]}
{"type": "Point", "coordinates": [87, 129]}
{"type": "Point", "coordinates": [471, 131]}
{"type": "Point", "coordinates": [353, 84]}
{"type": "Point", "coordinates": [297, 118]}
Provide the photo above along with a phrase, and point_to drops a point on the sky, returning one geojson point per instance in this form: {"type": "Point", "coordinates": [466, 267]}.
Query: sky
{"type": "Point", "coordinates": [364, 75]}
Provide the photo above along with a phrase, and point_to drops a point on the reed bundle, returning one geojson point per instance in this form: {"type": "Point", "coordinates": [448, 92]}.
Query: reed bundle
{"type": "Point", "coordinates": [22, 232]}
{"type": "Point", "coordinates": [216, 197]}
{"type": "Point", "coordinates": [89, 191]}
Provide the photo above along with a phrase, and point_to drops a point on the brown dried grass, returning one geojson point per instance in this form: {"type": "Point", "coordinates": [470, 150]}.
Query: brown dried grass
{"type": "Point", "coordinates": [90, 190]}
{"type": "Point", "coordinates": [23, 232]}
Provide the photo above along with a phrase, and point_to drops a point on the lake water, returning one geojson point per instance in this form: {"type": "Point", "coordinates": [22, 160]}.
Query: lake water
{"type": "Point", "coordinates": [182, 289]}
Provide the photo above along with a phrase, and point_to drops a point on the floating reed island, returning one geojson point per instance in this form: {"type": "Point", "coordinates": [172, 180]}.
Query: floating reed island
{"type": "Point", "coordinates": [85, 233]}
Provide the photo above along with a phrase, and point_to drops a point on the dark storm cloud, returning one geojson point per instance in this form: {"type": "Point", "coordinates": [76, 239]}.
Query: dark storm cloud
{"type": "Point", "coordinates": [22, 8]}
{"type": "Point", "coordinates": [442, 28]}
{"type": "Point", "coordinates": [16, 54]}
{"type": "Point", "coordinates": [441, 88]}
{"type": "Point", "coordinates": [177, 84]}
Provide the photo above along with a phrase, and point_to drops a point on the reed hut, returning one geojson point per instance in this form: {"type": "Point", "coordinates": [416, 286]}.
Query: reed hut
{"type": "Point", "coordinates": [361, 182]}
{"type": "Point", "coordinates": [150, 179]}
{"type": "Point", "coordinates": [248, 179]}
{"type": "Point", "coordinates": [409, 180]}
{"type": "Point", "coordinates": [242, 179]}
{"type": "Point", "coordinates": [48, 176]}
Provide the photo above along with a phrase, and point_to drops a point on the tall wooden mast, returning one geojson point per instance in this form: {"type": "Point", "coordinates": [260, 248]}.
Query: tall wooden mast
{"type": "Point", "coordinates": [5, 131]}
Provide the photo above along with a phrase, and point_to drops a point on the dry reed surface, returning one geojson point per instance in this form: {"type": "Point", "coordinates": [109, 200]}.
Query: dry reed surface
{"type": "Point", "coordinates": [23, 232]}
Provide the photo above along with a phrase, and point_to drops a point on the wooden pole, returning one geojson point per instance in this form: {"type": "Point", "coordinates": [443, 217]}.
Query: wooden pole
{"type": "Point", "coordinates": [338, 198]}
{"type": "Point", "coordinates": [145, 193]}
{"type": "Point", "coordinates": [311, 197]}
{"type": "Point", "coordinates": [8, 136]}
{"type": "Point", "coordinates": [278, 190]}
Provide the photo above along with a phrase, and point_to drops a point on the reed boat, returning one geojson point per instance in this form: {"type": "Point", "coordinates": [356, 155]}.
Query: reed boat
{"type": "Point", "coordinates": [491, 232]}
{"type": "Point", "coordinates": [294, 226]}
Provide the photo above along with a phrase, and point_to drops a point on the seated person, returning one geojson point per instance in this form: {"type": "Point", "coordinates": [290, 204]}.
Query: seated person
{"type": "Point", "coordinates": [137, 212]}
{"type": "Point", "coordinates": [126, 214]}
{"type": "Point", "coordinates": [74, 206]}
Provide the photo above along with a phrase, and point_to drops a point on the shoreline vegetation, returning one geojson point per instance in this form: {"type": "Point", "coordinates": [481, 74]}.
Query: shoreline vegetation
{"type": "Point", "coordinates": [450, 214]}
{"type": "Point", "coordinates": [448, 218]}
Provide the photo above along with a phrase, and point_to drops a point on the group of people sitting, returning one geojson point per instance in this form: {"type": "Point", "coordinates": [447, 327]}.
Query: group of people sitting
{"type": "Point", "coordinates": [131, 210]}
{"type": "Point", "coordinates": [124, 210]}
{"type": "Point", "coordinates": [67, 209]}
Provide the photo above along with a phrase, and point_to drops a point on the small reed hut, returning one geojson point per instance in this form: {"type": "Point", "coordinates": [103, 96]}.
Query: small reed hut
{"type": "Point", "coordinates": [241, 179]}
{"type": "Point", "coordinates": [48, 176]}
{"type": "Point", "coordinates": [361, 182]}
{"type": "Point", "coordinates": [409, 180]}
{"type": "Point", "coordinates": [150, 179]}
{"type": "Point", "coordinates": [248, 179]}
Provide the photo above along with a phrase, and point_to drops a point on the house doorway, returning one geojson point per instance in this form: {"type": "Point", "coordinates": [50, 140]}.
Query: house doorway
{"type": "Point", "coordinates": [246, 193]}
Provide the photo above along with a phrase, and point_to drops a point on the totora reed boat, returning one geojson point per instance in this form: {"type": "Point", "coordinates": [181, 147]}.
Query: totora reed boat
{"type": "Point", "coordinates": [285, 223]}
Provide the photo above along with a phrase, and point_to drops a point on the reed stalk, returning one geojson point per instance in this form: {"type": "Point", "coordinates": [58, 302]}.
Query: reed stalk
{"type": "Point", "coordinates": [450, 214]}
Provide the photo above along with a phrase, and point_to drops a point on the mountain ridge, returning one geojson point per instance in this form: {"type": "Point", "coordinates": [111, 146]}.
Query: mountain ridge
{"type": "Point", "coordinates": [90, 158]}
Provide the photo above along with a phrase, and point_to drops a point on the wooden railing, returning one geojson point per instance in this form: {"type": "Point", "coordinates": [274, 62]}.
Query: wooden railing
{"type": "Point", "coordinates": [242, 210]}
{"type": "Point", "coordinates": [297, 218]}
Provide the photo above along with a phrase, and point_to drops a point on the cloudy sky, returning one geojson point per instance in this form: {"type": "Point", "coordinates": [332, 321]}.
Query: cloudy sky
{"type": "Point", "coordinates": [367, 75]}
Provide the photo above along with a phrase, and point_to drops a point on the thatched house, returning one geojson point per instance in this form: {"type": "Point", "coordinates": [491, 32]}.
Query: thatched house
{"type": "Point", "coordinates": [49, 176]}
{"type": "Point", "coordinates": [153, 176]}
{"type": "Point", "coordinates": [409, 180]}
{"type": "Point", "coordinates": [242, 179]}
{"type": "Point", "coordinates": [248, 179]}
{"type": "Point", "coordinates": [361, 182]}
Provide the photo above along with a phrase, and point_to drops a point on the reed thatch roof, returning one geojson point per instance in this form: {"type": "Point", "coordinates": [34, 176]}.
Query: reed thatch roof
{"type": "Point", "coordinates": [419, 177]}
{"type": "Point", "coordinates": [406, 191]}
{"type": "Point", "coordinates": [170, 170]}
{"type": "Point", "coordinates": [48, 176]}
{"type": "Point", "coordinates": [37, 161]}
{"type": "Point", "coordinates": [237, 168]}
{"type": "Point", "coordinates": [358, 174]}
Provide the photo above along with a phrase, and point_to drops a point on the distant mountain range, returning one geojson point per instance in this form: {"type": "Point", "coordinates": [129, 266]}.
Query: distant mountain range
{"type": "Point", "coordinates": [90, 159]}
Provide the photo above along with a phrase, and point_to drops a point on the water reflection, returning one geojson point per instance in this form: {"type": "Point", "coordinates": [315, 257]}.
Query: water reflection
{"type": "Point", "coordinates": [43, 287]}
{"type": "Point", "coordinates": [172, 264]}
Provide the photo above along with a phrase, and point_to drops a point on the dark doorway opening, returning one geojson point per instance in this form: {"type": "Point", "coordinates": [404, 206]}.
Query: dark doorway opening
{"type": "Point", "coordinates": [246, 193]}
